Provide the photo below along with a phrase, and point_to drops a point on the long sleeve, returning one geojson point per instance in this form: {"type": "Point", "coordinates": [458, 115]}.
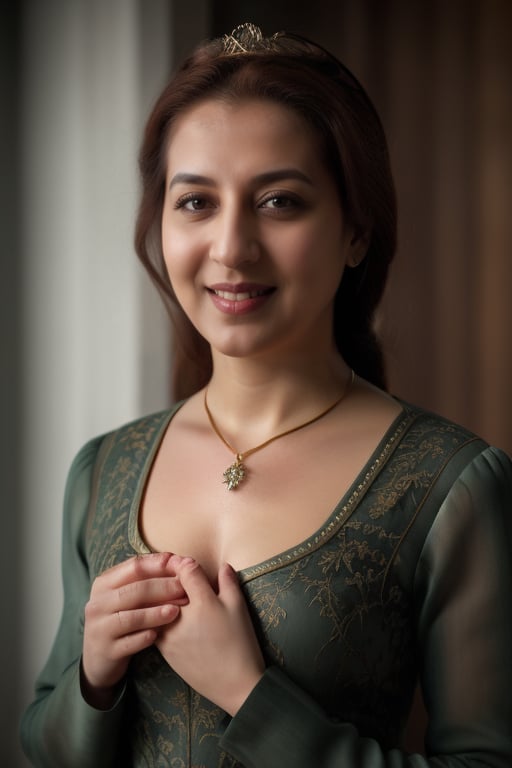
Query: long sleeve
{"type": "Point", "coordinates": [463, 615]}
{"type": "Point", "coordinates": [59, 729]}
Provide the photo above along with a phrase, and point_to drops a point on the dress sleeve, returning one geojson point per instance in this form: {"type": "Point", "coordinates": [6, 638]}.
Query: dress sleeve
{"type": "Point", "coordinates": [59, 729]}
{"type": "Point", "coordinates": [463, 611]}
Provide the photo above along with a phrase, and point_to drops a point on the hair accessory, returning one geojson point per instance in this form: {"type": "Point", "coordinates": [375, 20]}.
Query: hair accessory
{"type": "Point", "coordinates": [244, 39]}
{"type": "Point", "coordinates": [237, 472]}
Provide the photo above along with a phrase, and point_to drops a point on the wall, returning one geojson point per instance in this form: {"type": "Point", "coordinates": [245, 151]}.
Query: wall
{"type": "Point", "coordinates": [86, 342]}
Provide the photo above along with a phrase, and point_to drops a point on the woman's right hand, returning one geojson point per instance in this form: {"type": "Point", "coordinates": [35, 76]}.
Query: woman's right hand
{"type": "Point", "coordinates": [127, 605]}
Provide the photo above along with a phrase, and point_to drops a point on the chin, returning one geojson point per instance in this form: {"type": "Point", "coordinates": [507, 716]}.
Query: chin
{"type": "Point", "coordinates": [239, 347]}
{"type": "Point", "coordinates": [236, 351]}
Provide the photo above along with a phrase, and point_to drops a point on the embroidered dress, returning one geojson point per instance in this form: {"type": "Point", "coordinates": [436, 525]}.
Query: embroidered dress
{"type": "Point", "coordinates": [409, 578]}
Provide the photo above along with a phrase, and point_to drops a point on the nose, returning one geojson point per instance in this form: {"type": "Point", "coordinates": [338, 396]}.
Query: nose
{"type": "Point", "coordinates": [234, 239]}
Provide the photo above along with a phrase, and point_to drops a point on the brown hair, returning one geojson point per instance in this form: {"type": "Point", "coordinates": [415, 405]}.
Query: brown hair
{"type": "Point", "coordinates": [303, 76]}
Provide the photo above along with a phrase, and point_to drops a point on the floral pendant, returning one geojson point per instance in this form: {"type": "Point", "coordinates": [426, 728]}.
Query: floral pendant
{"type": "Point", "coordinates": [234, 474]}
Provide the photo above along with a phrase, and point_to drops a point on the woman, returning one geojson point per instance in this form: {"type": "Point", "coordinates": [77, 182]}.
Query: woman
{"type": "Point", "coordinates": [217, 611]}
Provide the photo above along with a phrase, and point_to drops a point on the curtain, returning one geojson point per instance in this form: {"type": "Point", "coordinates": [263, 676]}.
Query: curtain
{"type": "Point", "coordinates": [439, 73]}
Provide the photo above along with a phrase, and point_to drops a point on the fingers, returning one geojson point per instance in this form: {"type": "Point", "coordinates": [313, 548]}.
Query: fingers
{"type": "Point", "coordinates": [228, 577]}
{"type": "Point", "coordinates": [138, 568]}
{"type": "Point", "coordinates": [110, 639]}
{"type": "Point", "coordinates": [133, 621]}
{"type": "Point", "coordinates": [198, 588]}
{"type": "Point", "coordinates": [117, 623]}
{"type": "Point", "coordinates": [140, 582]}
{"type": "Point", "coordinates": [148, 592]}
{"type": "Point", "coordinates": [229, 586]}
{"type": "Point", "coordinates": [194, 580]}
{"type": "Point", "coordinates": [214, 626]}
{"type": "Point", "coordinates": [128, 606]}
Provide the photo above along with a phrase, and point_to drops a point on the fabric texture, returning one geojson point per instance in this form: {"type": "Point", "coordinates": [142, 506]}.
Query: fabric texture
{"type": "Point", "coordinates": [408, 579]}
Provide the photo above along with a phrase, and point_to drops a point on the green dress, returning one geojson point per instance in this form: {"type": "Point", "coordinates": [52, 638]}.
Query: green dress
{"type": "Point", "coordinates": [410, 578]}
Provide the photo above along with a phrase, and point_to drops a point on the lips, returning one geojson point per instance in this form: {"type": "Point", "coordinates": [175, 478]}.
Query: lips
{"type": "Point", "coordinates": [240, 298]}
{"type": "Point", "coordinates": [239, 295]}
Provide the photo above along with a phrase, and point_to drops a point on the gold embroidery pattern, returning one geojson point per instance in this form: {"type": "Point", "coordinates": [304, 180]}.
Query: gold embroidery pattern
{"type": "Point", "coordinates": [334, 613]}
{"type": "Point", "coordinates": [120, 479]}
{"type": "Point", "coordinates": [172, 725]}
{"type": "Point", "coordinates": [352, 647]}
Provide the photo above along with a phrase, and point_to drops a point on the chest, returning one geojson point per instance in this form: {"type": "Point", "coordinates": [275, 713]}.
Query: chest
{"type": "Point", "coordinates": [288, 492]}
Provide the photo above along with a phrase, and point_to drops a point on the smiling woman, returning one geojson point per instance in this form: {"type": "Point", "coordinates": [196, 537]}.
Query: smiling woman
{"type": "Point", "coordinates": [282, 611]}
{"type": "Point", "coordinates": [286, 72]}
{"type": "Point", "coordinates": [253, 235]}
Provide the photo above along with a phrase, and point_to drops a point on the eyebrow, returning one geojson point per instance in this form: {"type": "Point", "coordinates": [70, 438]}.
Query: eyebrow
{"type": "Point", "coordinates": [263, 178]}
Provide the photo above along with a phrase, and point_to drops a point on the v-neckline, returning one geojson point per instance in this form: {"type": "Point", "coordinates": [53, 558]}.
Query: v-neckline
{"type": "Point", "coordinates": [338, 517]}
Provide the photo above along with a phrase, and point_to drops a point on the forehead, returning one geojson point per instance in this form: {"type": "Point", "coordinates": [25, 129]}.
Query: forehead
{"type": "Point", "coordinates": [259, 131]}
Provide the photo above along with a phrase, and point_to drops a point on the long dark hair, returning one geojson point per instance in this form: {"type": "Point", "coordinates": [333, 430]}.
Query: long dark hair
{"type": "Point", "coordinates": [303, 76]}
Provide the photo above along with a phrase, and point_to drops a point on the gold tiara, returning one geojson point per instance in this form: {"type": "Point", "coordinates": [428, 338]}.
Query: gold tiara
{"type": "Point", "coordinates": [244, 39]}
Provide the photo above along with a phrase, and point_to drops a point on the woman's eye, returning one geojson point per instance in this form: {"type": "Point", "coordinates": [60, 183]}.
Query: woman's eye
{"type": "Point", "coordinates": [278, 201]}
{"type": "Point", "coordinates": [192, 203]}
{"type": "Point", "coordinates": [281, 204]}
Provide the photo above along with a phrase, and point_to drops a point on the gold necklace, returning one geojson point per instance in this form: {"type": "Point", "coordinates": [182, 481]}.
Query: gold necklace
{"type": "Point", "coordinates": [237, 472]}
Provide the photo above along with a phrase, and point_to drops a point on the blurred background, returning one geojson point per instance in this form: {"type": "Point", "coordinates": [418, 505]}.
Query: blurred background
{"type": "Point", "coordinates": [85, 344]}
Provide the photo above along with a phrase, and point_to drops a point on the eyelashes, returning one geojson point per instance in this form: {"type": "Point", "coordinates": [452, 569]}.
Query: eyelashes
{"type": "Point", "coordinates": [191, 201]}
{"type": "Point", "coordinates": [275, 202]}
{"type": "Point", "coordinates": [281, 201]}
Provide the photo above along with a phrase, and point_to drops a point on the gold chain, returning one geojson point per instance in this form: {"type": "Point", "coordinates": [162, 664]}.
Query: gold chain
{"type": "Point", "coordinates": [235, 473]}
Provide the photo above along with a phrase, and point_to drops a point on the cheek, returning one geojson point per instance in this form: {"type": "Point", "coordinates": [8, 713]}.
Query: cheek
{"type": "Point", "coordinates": [293, 250]}
{"type": "Point", "coordinates": [313, 256]}
{"type": "Point", "coordinates": [176, 245]}
{"type": "Point", "coordinates": [178, 254]}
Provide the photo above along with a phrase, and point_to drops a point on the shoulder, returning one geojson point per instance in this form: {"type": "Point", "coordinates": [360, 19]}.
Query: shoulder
{"type": "Point", "coordinates": [431, 432]}
{"type": "Point", "coordinates": [454, 456]}
{"type": "Point", "coordinates": [413, 432]}
{"type": "Point", "coordinates": [429, 421]}
{"type": "Point", "coordinates": [455, 493]}
{"type": "Point", "coordinates": [468, 467]}
{"type": "Point", "coordinates": [139, 435]}
{"type": "Point", "coordinates": [110, 460]}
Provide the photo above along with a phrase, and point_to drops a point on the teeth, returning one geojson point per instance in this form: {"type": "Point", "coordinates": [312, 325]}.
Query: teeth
{"type": "Point", "coordinates": [238, 296]}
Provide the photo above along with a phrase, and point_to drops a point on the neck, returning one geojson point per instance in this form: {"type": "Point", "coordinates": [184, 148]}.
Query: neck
{"type": "Point", "coordinates": [250, 401]}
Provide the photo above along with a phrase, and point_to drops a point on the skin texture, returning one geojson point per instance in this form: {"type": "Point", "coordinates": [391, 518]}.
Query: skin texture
{"type": "Point", "coordinates": [127, 606]}
{"type": "Point", "coordinates": [255, 245]}
{"type": "Point", "coordinates": [136, 603]}
{"type": "Point", "coordinates": [236, 225]}
{"type": "Point", "coordinates": [194, 652]}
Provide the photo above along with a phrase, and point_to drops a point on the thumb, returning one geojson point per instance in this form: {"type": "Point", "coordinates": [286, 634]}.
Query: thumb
{"type": "Point", "coordinates": [229, 585]}
{"type": "Point", "coordinates": [193, 579]}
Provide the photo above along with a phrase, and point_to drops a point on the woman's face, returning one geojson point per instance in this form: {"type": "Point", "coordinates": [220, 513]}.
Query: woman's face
{"type": "Point", "coordinates": [253, 234]}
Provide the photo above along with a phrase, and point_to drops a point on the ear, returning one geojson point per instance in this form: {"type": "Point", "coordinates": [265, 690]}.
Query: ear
{"type": "Point", "coordinates": [358, 248]}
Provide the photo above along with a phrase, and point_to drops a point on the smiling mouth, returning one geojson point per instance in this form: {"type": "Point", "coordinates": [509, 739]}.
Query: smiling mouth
{"type": "Point", "coordinates": [241, 299]}
{"type": "Point", "coordinates": [241, 295]}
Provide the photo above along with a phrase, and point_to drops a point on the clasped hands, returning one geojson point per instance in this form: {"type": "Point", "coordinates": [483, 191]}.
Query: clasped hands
{"type": "Point", "coordinates": [204, 634]}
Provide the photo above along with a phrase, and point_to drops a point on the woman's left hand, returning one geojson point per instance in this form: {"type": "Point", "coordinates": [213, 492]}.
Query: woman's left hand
{"type": "Point", "coordinates": [212, 644]}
